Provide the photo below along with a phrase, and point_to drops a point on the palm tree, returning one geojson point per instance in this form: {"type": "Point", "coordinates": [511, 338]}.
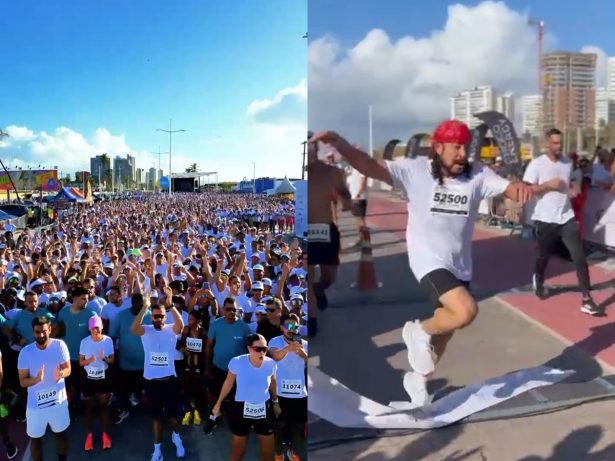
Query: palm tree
{"type": "Point", "coordinates": [192, 168]}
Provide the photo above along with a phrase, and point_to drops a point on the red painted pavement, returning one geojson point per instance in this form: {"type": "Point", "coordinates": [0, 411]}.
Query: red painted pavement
{"type": "Point", "coordinates": [503, 262]}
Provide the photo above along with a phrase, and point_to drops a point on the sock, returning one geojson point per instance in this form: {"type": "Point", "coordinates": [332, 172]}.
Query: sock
{"type": "Point", "coordinates": [156, 448]}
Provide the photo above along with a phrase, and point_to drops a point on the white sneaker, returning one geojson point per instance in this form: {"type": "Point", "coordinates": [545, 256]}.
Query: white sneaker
{"type": "Point", "coordinates": [179, 446]}
{"type": "Point", "coordinates": [415, 385]}
{"type": "Point", "coordinates": [157, 457]}
{"type": "Point", "coordinates": [419, 348]}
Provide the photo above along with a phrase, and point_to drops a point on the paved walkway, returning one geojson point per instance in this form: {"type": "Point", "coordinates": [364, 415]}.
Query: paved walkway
{"type": "Point", "coordinates": [360, 345]}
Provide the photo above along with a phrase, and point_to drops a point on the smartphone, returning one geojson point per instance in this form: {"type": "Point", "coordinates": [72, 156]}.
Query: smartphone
{"type": "Point", "coordinates": [297, 338]}
{"type": "Point", "coordinates": [205, 286]}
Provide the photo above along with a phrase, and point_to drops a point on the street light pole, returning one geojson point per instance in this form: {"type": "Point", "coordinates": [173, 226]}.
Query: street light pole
{"type": "Point", "coordinates": [170, 131]}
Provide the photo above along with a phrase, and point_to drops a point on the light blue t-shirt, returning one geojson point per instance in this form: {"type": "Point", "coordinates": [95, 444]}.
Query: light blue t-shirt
{"type": "Point", "coordinates": [76, 328]}
{"type": "Point", "coordinates": [130, 345]}
{"type": "Point", "coordinates": [229, 340]}
{"type": "Point", "coordinates": [22, 322]}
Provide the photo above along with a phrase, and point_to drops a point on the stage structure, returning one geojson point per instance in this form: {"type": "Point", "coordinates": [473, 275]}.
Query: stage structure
{"type": "Point", "coordinates": [194, 182]}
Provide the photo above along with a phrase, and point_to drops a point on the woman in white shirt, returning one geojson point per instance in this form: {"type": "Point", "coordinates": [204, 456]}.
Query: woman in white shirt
{"type": "Point", "coordinates": [256, 402]}
{"type": "Point", "coordinates": [95, 355]}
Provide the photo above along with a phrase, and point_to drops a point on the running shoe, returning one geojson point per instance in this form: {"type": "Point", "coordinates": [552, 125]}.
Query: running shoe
{"type": "Point", "coordinates": [187, 419]}
{"type": "Point", "coordinates": [540, 290]}
{"type": "Point", "coordinates": [157, 457]}
{"type": "Point", "coordinates": [292, 456]}
{"type": "Point", "coordinates": [106, 441]}
{"type": "Point", "coordinates": [415, 385]}
{"type": "Point", "coordinates": [121, 416]}
{"type": "Point", "coordinates": [89, 443]}
{"type": "Point", "coordinates": [419, 348]}
{"type": "Point", "coordinates": [11, 450]}
{"type": "Point", "coordinates": [589, 307]}
{"type": "Point", "coordinates": [180, 451]}
{"type": "Point", "coordinates": [197, 418]}
{"type": "Point", "coordinates": [279, 458]}
{"type": "Point", "coordinates": [210, 425]}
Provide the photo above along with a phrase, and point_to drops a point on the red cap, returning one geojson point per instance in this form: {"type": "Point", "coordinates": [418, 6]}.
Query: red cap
{"type": "Point", "coordinates": [451, 131]}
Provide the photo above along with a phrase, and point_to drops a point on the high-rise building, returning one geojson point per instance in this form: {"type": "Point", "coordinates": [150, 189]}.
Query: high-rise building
{"type": "Point", "coordinates": [569, 92]}
{"type": "Point", "coordinates": [611, 77]}
{"type": "Point", "coordinates": [505, 104]}
{"type": "Point", "coordinates": [531, 113]}
{"type": "Point", "coordinates": [124, 168]}
{"type": "Point", "coordinates": [140, 176]}
{"type": "Point", "coordinates": [100, 166]}
{"type": "Point", "coordinates": [160, 174]}
{"type": "Point", "coordinates": [605, 107]}
{"type": "Point", "coordinates": [152, 176]}
{"type": "Point", "coordinates": [467, 103]}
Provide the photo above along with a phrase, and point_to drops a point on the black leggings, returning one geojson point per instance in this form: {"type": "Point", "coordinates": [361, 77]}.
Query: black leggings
{"type": "Point", "coordinates": [194, 391]}
{"type": "Point", "coordinates": [550, 238]}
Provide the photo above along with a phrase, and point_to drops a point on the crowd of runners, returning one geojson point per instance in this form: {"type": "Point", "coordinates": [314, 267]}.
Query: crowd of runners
{"type": "Point", "coordinates": [444, 191]}
{"type": "Point", "coordinates": [192, 306]}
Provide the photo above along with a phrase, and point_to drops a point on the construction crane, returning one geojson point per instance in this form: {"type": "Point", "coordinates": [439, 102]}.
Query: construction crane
{"type": "Point", "coordinates": [540, 28]}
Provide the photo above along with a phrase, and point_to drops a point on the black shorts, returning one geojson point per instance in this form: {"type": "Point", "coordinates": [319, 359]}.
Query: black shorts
{"type": "Point", "coordinates": [241, 426]}
{"type": "Point", "coordinates": [438, 282]}
{"type": "Point", "coordinates": [293, 410]}
{"type": "Point", "coordinates": [163, 397]}
{"type": "Point", "coordinates": [325, 253]}
{"type": "Point", "coordinates": [218, 376]}
{"type": "Point", "coordinates": [359, 208]}
{"type": "Point", "coordinates": [91, 387]}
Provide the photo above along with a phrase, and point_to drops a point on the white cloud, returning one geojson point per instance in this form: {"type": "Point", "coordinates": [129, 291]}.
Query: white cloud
{"type": "Point", "coordinates": [288, 105]}
{"type": "Point", "coordinates": [19, 132]}
{"type": "Point", "coordinates": [409, 81]}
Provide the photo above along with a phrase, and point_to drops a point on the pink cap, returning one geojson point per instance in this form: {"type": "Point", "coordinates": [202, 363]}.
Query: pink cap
{"type": "Point", "coordinates": [94, 322]}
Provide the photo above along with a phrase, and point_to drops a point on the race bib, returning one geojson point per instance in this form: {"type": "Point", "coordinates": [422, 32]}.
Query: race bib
{"type": "Point", "coordinates": [194, 344]}
{"type": "Point", "coordinates": [320, 233]}
{"type": "Point", "coordinates": [46, 398]}
{"type": "Point", "coordinates": [251, 411]}
{"type": "Point", "coordinates": [159, 359]}
{"type": "Point", "coordinates": [95, 373]}
{"type": "Point", "coordinates": [451, 200]}
{"type": "Point", "coordinates": [292, 386]}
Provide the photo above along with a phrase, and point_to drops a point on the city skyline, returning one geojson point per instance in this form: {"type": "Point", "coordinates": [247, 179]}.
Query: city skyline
{"type": "Point", "coordinates": [95, 81]}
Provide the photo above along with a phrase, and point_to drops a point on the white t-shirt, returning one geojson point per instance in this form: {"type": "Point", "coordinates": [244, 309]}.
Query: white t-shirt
{"type": "Point", "coordinates": [252, 383]}
{"type": "Point", "coordinates": [354, 185]}
{"type": "Point", "coordinates": [290, 376]}
{"type": "Point", "coordinates": [441, 218]}
{"type": "Point", "coordinates": [89, 348]}
{"type": "Point", "coordinates": [554, 206]}
{"type": "Point", "coordinates": [47, 393]}
{"type": "Point", "coordinates": [159, 349]}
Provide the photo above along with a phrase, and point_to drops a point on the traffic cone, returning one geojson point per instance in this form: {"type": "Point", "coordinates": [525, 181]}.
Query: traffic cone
{"type": "Point", "coordinates": [366, 276]}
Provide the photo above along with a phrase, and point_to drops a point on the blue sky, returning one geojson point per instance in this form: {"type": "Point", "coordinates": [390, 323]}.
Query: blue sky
{"type": "Point", "coordinates": [406, 58]}
{"type": "Point", "coordinates": [125, 68]}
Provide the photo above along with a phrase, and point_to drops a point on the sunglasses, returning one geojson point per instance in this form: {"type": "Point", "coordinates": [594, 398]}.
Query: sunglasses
{"type": "Point", "coordinates": [158, 317]}
{"type": "Point", "coordinates": [271, 309]}
{"type": "Point", "coordinates": [259, 348]}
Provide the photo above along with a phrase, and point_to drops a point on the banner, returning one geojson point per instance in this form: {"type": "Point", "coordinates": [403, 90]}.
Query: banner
{"type": "Point", "coordinates": [505, 137]}
{"type": "Point", "coordinates": [413, 147]}
{"type": "Point", "coordinates": [30, 180]}
{"type": "Point", "coordinates": [389, 149]}
{"type": "Point", "coordinates": [301, 213]}
{"type": "Point", "coordinates": [478, 136]}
